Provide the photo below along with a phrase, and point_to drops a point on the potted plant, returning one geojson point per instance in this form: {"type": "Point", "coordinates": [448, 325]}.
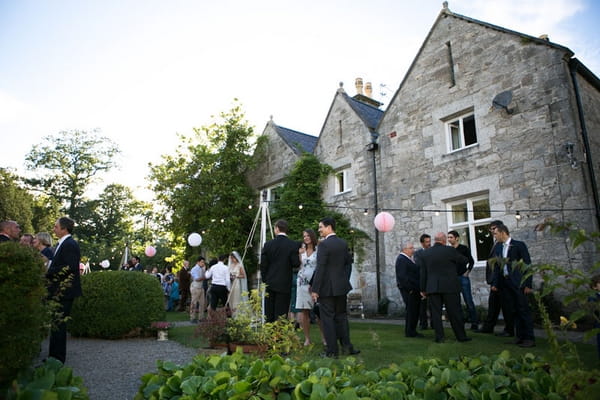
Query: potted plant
{"type": "Point", "coordinates": [248, 331]}
{"type": "Point", "coordinates": [214, 328]}
{"type": "Point", "coordinates": [161, 328]}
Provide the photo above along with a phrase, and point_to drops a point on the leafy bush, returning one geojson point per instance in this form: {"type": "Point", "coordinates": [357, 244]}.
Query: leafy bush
{"type": "Point", "coordinates": [116, 304]}
{"type": "Point", "coordinates": [51, 380]}
{"type": "Point", "coordinates": [241, 377]}
{"type": "Point", "coordinates": [23, 312]}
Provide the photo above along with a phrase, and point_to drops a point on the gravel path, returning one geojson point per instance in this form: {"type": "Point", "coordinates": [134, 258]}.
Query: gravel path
{"type": "Point", "coordinates": [111, 369]}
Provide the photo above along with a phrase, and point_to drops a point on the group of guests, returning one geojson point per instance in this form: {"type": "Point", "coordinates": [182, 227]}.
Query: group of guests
{"type": "Point", "coordinates": [436, 276]}
{"type": "Point", "coordinates": [323, 279]}
{"type": "Point", "coordinates": [62, 273]}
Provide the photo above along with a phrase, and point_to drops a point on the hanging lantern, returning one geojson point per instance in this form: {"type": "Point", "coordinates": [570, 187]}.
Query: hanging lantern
{"type": "Point", "coordinates": [384, 221]}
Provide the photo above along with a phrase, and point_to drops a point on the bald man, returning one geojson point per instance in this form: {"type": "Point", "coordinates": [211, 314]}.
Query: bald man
{"type": "Point", "coordinates": [439, 266]}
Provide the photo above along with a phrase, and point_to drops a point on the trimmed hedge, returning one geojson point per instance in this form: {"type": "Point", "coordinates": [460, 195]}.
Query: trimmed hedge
{"type": "Point", "coordinates": [116, 304]}
{"type": "Point", "coordinates": [23, 312]}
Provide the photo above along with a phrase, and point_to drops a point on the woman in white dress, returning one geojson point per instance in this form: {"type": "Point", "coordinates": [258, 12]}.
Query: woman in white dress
{"type": "Point", "coordinates": [239, 283]}
{"type": "Point", "coordinates": [304, 301]}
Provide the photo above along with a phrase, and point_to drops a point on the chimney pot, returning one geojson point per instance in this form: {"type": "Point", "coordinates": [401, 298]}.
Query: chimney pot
{"type": "Point", "coordinates": [368, 89]}
{"type": "Point", "coordinates": [359, 85]}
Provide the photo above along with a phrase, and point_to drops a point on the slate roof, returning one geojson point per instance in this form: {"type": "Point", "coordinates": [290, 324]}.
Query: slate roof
{"type": "Point", "coordinates": [299, 142]}
{"type": "Point", "coordinates": [369, 114]}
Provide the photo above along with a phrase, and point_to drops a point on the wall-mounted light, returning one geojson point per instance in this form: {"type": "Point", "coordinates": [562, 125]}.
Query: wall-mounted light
{"type": "Point", "coordinates": [518, 216]}
{"type": "Point", "coordinates": [366, 211]}
{"type": "Point", "coordinates": [569, 149]}
{"type": "Point", "coordinates": [437, 213]}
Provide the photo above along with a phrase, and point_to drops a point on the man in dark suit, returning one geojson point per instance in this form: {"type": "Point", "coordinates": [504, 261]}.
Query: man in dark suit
{"type": "Point", "coordinates": [330, 286]}
{"type": "Point", "coordinates": [278, 258]}
{"type": "Point", "coordinates": [508, 279]}
{"type": "Point", "coordinates": [63, 283]}
{"type": "Point", "coordinates": [465, 281]}
{"type": "Point", "coordinates": [9, 230]}
{"type": "Point", "coordinates": [407, 280]}
{"type": "Point", "coordinates": [136, 264]}
{"type": "Point", "coordinates": [185, 280]}
{"type": "Point", "coordinates": [494, 298]}
{"type": "Point", "coordinates": [439, 266]}
{"type": "Point", "coordinates": [425, 241]}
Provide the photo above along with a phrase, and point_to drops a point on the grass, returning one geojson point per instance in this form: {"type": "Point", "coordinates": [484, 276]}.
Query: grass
{"type": "Point", "coordinates": [383, 344]}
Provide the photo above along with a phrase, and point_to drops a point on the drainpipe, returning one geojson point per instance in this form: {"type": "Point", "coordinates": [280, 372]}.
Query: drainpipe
{"type": "Point", "coordinates": [372, 147]}
{"type": "Point", "coordinates": [573, 67]}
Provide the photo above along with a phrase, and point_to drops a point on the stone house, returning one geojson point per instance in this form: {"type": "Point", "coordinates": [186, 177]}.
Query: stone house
{"type": "Point", "coordinates": [487, 124]}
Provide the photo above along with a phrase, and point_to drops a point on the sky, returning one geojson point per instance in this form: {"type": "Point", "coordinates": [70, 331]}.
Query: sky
{"type": "Point", "coordinates": [144, 71]}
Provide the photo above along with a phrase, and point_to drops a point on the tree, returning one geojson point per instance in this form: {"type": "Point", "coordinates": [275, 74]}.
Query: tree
{"type": "Point", "coordinates": [15, 202]}
{"type": "Point", "coordinates": [107, 223]}
{"type": "Point", "coordinates": [66, 164]}
{"type": "Point", "coordinates": [204, 188]}
{"type": "Point", "coordinates": [301, 203]}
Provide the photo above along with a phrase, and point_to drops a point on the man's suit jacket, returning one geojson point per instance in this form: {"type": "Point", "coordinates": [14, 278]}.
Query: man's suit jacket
{"type": "Point", "coordinates": [407, 273]}
{"type": "Point", "coordinates": [439, 266]}
{"type": "Point", "coordinates": [334, 266]}
{"type": "Point", "coordinates": [4, 238]}
{"type": "Point", "coordinates": [185, 279]}
{"type": "Point", "coordinates": [517, 251]}
{"type": "Point", "coordinates": [490, 266]}
{"type": "Point", "coordinates": [279, 256]}
{"type": "Point", "coordinates": [65, 268]}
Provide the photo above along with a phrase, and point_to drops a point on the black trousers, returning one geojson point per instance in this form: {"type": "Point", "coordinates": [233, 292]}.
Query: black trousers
{"type": "Point", "coordinates": [495, 304]}
{"type": "Point", "coordinates": [218, 293]}
{"type": "Point", "coordinates": [334, 320]}
{"type": "Point", "coordinates": [412, 300]}
{"type": "Point", "coordinates": [58, 334]}
{"type": "Point", "coordinates": [453, 310]}
{"type": "Point", "coordinates": [423, 306]}
{"type": "Point", "coordinates": [276, 305]}
{"type": "Point", "coordinates": [516, 301]}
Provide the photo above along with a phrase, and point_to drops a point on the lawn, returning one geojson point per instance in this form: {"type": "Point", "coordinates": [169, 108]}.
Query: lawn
{"type": "Point", "coordinates": [382, 344]}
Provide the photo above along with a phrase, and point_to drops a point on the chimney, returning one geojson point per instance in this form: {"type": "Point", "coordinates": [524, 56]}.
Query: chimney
{"type": "Point", "coordinates": [359, 85]}
{"type": "Point", "coordinates": [368, 89]}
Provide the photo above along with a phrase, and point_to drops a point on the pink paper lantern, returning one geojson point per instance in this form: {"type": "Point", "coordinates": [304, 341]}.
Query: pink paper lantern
{"type": "Point", "coordinates": [150, 251]}
{"type": "Point", "coordinates": [384, 221]}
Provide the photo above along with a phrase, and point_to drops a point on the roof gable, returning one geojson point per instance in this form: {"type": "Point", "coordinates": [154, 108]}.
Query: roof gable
{"type": "Point", "coordinates": [299, 142]}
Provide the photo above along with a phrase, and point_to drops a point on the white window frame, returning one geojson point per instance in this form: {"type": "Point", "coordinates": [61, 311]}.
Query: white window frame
{"type": "Point", "coordinates": [477, 228]}
{"type": "Point", "coordinates": [457, 122]}
{"type": "Point", "coordinates": [341, 181]}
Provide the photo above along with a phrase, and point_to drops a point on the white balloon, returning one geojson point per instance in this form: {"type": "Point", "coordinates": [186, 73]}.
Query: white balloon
{"type": "Point", "coordinates": [105, 264]}
{"type": "Point", "coordinates": [194, 239]}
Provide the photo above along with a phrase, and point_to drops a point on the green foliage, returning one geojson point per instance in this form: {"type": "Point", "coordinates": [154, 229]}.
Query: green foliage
{"type": "Point", "coordinates": [242, 377]}
{"type": "Point", "coordinates": [23, 313]}
{"type": "Point", "coordinates": [51, 380]}
{"type": "Point", "coordinates": [15, 202]}
{"type": "Point", "coordinates": [115, 304]}
{"type": "Point", "coordinates": [66, 164]}
{"type": "Point", "coordinates": [304, 186]}
{"type": "Point", "coordinates": [204, 186]}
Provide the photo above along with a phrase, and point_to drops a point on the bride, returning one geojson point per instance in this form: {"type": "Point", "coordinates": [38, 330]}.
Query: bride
{"type": "Point", "coordinates": [239, 283]}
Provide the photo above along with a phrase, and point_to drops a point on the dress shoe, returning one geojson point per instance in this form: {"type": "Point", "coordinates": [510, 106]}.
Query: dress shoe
{"type": "Point", "coordinates": [465, 339]}
{"type": "Point", "coordinates": [351, 351]}
{"type": "Point", "coordinates": [417, 335]}
{"type": "Point", "coordinates": [504, 334]}
{"type": "Point", "coordinates": [526, 343]}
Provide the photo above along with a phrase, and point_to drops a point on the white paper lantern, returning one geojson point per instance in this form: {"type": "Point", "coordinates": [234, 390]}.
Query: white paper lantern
{"type": "Point", "coordinates": [194, 239]}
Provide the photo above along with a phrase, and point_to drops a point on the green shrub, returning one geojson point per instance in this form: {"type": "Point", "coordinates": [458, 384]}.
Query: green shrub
{"type": "Point", "coordinates": [242, 377]}
{"type": "Point", "coordinates": [22, 310]}
{"type": "Point", "coordinates": [116, 304]}
{"type": "Point", "coordinates": [50, 380]}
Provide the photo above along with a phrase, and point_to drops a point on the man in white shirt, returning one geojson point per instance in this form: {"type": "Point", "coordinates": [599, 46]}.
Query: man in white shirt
{"type": "Point", "coordinates": [198, 302]}
{"type": "Point", "coordinates": [221, 282]}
